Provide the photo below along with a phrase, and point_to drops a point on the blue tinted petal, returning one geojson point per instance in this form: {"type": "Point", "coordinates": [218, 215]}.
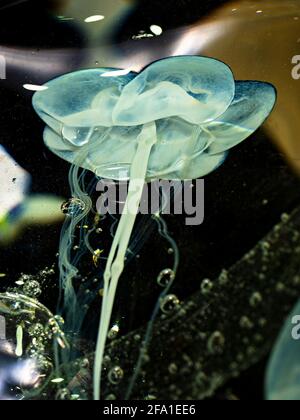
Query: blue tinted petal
{"type": "Point", "coordinates": [54, 141]}
{"type": "Point", "coordinates": [186, 168]}
{"type": "Point", "coordinates": [79, 110]}
{"type": "Point", "coordinates": [82, 99]}
{"type": "Point", "coordinates": [177, 140]}
{"type": "Point", "coordinates": [197, 89]}
{"type": "Point", "coordinates": [252, 104]}
{"type": "Point", "coordinates": [108, 154]}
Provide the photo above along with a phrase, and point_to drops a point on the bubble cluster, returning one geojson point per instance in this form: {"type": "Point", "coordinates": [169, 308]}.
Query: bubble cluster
{"type": "Point", "coordinates": [32, 288]}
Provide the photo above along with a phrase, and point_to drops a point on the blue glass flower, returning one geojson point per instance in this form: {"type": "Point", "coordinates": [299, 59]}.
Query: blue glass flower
{"type": "Point", "coordinates": [95, 117]}
{"type": "Point", "coordinates": [175, 120]}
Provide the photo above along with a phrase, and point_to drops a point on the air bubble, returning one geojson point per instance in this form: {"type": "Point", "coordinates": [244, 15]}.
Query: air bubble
{"type": "Point", "coordinates": [202, 381]}
{"type": "Point", "coordinates": [150, 397]}
{"type": "Point", "coordinates": [223, 278]}
{"type": "Point", "coordinates": [166, 277]}
{"type": "Point", "coordinates": [110, 397]}
{"type": "Point", "coordinates": [285, 217]}
{"type": "Point", "coordinates": [246, 323]}
{"type": "Point", "coordinates": [115, 375]}
{"type": "Point", "coordinates": [73, 207]}
{"type": "Point", "coordinates": [114, 331]}
{"type": "Point", "coordinates": [169, 304]}
{"type": "Point", "coordinates": [173, 369]}
{"type": "Point", "coordinates": [255, 299]}
{"type": "Point", "coordinates": [206, 286]}
{"type": "Point", "coordinates": [63, 394]}
{"type": "Point", "coordinates": [216, 343]}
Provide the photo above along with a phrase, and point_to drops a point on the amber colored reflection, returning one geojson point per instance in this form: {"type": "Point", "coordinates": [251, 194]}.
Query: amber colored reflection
{"type": "Point", "coordinates": [57, 6]}
{"type": "Point", "coordinates": [258, 39]}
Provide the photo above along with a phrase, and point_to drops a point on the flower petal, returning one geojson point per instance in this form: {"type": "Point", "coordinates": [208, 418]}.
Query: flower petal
{"type": "Point", "coordinates": [177, 140]}
{"type": "Point", "coordinates": [54, 141]}
{"type": "Point", "coordinates": [83, 99]}
{"type": "Point", "coordinates": [180, 153]}
{"type": "Point", "coordinates": [108, 154]}
{"type": "Point", "coordinates": [197, 89]}
{"type": "Point", "coordinates": [191, 167]}
{"type": "Point", "coordinates": [251, 106]}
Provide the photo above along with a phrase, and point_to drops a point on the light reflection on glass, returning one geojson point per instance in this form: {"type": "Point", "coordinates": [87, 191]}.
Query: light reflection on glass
{"type": "Point", "coordinates": [116, 73]}
{"type": "Point", "coordinates": [157, 30]}
{"type": "Point", "coordinates": [34, 88]}
{"type": "Point", "coordinates": [96, 18]}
